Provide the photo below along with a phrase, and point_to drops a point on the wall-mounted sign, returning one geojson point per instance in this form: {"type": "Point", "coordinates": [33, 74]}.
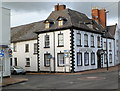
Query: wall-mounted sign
{"type": "Point", "coordinates": [1, 53]}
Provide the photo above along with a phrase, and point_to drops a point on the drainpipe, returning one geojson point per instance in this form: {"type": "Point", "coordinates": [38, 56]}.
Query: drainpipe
{"type": "Point", "coordinates": [38, 53]}
{"type": "Point", "coordinates": [54, 51]}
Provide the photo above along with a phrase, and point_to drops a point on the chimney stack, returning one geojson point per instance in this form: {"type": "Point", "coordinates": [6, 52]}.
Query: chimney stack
{"type": "Point", "coordinates": [99, 15]}
{"type": "Point", "coordinates": [60, 7]}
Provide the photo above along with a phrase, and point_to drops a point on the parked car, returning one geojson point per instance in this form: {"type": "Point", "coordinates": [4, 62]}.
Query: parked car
{"type": "Point", "coordinates": [17, 70]}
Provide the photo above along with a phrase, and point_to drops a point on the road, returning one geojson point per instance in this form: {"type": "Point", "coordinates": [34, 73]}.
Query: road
{"type": "Point", "coordinates": [106, 80]}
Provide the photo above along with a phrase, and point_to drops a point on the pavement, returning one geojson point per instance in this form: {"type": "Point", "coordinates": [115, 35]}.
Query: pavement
{"type": "Point", "coordinates": [110, 69]}
{"type": "Point", "coordinates": [15, 80]}
{"type": "Point", "coordinates": [10, 81]}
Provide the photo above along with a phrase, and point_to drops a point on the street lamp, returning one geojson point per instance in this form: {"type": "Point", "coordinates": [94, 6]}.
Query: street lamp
{"type": "Point", "coordinates": [106, 49]}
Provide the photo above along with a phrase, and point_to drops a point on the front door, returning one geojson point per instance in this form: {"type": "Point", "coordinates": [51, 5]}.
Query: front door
{"type": "Point", "coordinates": [99, 61]}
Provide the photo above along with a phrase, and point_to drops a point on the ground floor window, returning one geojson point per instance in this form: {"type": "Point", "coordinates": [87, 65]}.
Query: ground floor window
{"type": "Point", "coordinates": [60, 59]}
{"type": "Point", "coordinates": [27, 62]}
{"type": "Point", "coordinates": [86, 58]}
{"type": "Point", "coordinates": [92, 58]}
{"type": "Point", "coordinates": [105, 58]}
{"type": "Point", "coordinates": [10, 61]}
{"type": "Point", "coordinates": [47, 60]}
{"type": "Point", "coordinates": [15, 60]}
{"type": "Point", "coordinates": [79, 59]}
{"type": "Point", "coordinates": [110, 58]}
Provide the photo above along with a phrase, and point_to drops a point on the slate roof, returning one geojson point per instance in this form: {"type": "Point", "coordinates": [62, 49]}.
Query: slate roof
{"type": "Point", "coordinates": [25, 32]}
{"type": "Point", "coordinates": [74, 19]}
{"type": "Point", "coordinates": [110, 31]}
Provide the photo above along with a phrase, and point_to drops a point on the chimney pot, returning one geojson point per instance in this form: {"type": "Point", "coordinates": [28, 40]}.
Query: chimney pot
{"type": "Point", "coordinates": [60, 7]}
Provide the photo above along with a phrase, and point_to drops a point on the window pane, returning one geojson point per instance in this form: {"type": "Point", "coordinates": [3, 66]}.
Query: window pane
{"type": "Point", "coordinates": [78, 39]}
{"type": "Point", "coordinates": [60, 40]}
{"type": "Point", "coordinates": [86, 58]}
{"type": "Point", "coordinates": [47, 60]}
{"type": "Point", "coordinates": [35, 47]}
{"type": "Point", "coordinates": [92, 58]}
{"type": "Point", "coordinates": [79, 59]}
{"type": "Point", "coordinates": [86, 40]}
{"type": "Point", "coordinates": [47, 42]}
{"type": "Point", "coordinates": [61, 59]}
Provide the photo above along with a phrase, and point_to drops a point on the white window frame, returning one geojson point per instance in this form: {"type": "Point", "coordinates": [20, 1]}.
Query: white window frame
{"type": "Point", "coordinates": [60, 64]}
{"type": "Point", "coordinates": [60, 39]}
{"type": "Point", "coordinates": [26, 47]}
{"type": "Point", "coordinates": [110, 58]}
{"type": "Point", "coordinates": [60, 22]}
{"type": "Point", "coordinates": [86, 58]}
{"type": "Point", "coordinates": [92, 58]}
{"type": "Point", "coordinates": [47, 60]}
{"type": "Point", "coordinates": [78, 39]}
{"type": "Point", "coordinates": [85, 40]}
{"type": "Point", "coordinates": [79, 58]}
{"type": "Point", "coordinates": [47, 41]}
{"type": "Point", "coordinates": [27, 62]}
{"type": "Point", "coordinates": [98, 41]}
{"type": "Point", "coordinates": [35, 48]}
{"type": "Point", "coordinates": [92, 41]}
{"type": "Point", "coordinates": [14, 47]}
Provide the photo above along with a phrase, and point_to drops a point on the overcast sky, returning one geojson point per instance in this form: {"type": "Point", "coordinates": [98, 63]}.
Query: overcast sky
{"type": "Point", "coordinates": [28, 12]}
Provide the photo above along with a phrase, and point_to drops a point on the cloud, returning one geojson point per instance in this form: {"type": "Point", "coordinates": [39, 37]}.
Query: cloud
{"type": "Point", "coordinates": [42, 9]}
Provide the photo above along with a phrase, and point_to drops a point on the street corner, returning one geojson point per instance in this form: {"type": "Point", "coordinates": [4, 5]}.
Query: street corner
{"type": "Point", "coordinates": [12, 80]}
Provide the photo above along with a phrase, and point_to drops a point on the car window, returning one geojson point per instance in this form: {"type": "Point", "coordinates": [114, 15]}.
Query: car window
{"type": "Point", "coordinates": [18, 67]}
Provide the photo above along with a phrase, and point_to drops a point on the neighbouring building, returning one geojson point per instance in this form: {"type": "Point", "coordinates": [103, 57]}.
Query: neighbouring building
{"type": "Point", "coordinates": [4, 42]}
{"type": "Point", "coordinates": [69, 41]}
{"type": "Point", "coordinates": [24, 46]}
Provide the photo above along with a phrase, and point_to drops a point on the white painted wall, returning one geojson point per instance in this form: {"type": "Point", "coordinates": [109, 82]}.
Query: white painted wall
{"type": "Point", "coordinates": [67, 45]}
{"type": "Point", "coordinates": [84, 49]}
{"type": "Point", "coordinates": [112, 52]}
{"type": "Point", "coordinates": [42, 50]}
{"type": "Point", "coordinates": [21, 55]}
{"type": "Point", "coordinates": [5, 38]}
{"type": "Point", "coordinates": [5, 24]}
{"type": "Point", "coordinates": [117, 33]}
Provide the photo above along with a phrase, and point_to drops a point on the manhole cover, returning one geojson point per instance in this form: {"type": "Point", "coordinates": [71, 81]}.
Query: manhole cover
{"type": "Point", "coordinates": [91, 78]}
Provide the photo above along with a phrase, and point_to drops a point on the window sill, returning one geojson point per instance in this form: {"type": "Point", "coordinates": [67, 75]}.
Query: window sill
{"type": "Point", "coordinates": [27, 66]}
{"type": "Point", "coordinates": [60, 46]}
{"type": "Point", "coordinates": [61, 65]}
{"type": "Point", "coordinates": [86, 46]}
{"type": "Point", "coordinates": [93, 46]}
{"type": "Point", "coordinates": [79, 45]}
{"type": "Point", "coordinates": [47, 66]}
{"type": "Point", "coordinates": [99, 47]}
{"type": "Point", "coordinates": [79, 65]}
{"type": "Point", "coordinates": [26, 52]}
{"type": "Point", "coordinates": [46, 47]}
{"type": "Point", "coordinates": [34, 53]}
{"type": "Point", "coordinates": [86, 64]}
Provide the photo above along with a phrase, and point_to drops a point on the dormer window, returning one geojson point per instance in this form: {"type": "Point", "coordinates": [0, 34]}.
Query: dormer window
{"type": "Point", "coordinates": [61, 21]}
{"type": "Point", "coordinates": [47, 24]}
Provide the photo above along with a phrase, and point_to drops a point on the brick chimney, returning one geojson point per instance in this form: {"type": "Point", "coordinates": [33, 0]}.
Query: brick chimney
{"type": "Point", "coordinates": [99, 15]}
{"type": "Point", "coordinates": [60, 7]}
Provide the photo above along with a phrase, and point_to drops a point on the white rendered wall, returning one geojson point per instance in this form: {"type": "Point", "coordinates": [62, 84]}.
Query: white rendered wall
{"type": "Point", "coordinates": [21, 55]}
{"type": "Point", "coordinates": [86, 49]}
{"type": "Point", "coordinates": [5, 24]}
{"type": "Point", "coordinates": [5, 38]}
{"type": "Point", "coordinates": [42, 50]}
{"type": "Point", "coordinates": [109, 52]}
